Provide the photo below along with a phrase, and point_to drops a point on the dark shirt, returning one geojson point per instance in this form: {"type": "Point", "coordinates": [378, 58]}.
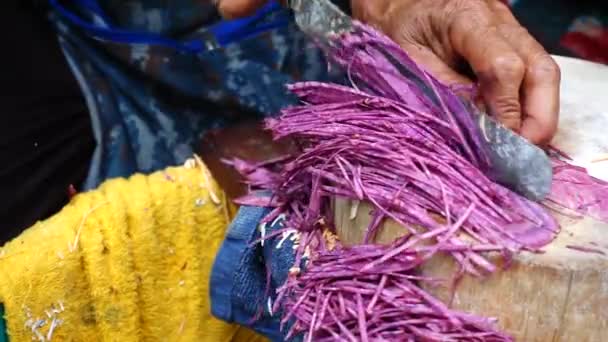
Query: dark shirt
{"type": "Point", "coordinates": [45, 132]}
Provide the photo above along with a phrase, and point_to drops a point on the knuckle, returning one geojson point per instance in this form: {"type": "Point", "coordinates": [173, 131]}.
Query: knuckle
{"type": "Point", "coordinates": [509, 114]}
{"type": "Point", "coordinates": [508, 66]}
{"type": "Point", "coordinates": [545, 68]}
{"type": "Point", "coordinates": [511, 32]}
{"type": "Point", "coordinates": [461, 13]}
{"type": "Point", "coordinates": [507, 108]}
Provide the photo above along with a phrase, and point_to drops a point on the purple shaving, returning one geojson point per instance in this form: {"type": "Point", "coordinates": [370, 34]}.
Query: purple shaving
{"type": "Point", "coordinates": [575, 190]}
{"type": "Point", "coordinates": [407, 144]}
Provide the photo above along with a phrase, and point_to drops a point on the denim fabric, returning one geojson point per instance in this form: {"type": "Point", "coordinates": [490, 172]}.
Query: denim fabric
{"type": "Point", "coordinates": [239, 291]}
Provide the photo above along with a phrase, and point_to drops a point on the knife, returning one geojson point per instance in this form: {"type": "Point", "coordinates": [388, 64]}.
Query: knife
{"type": "Point", "coordinates": [515, 162]}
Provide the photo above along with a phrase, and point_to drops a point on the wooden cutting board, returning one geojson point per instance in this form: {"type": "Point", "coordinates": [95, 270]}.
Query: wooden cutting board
{"type": "Point", "coordinates": [561, 295]}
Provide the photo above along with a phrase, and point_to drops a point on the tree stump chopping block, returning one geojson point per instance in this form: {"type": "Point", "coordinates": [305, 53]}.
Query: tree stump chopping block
{"type": "Point", "coordinates": [560, 295]}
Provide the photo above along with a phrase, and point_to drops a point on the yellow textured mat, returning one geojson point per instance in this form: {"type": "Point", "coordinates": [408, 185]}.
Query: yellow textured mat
{"type": "Point", "coordinates": [129, 261]}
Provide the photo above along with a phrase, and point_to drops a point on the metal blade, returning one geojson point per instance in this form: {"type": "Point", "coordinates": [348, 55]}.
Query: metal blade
{"type": "Point", "coordinates": [320, 19]}
{"type": "Point", "coordinates": [516, 163]}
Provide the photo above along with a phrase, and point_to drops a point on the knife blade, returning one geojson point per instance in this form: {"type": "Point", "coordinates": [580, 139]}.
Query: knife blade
{"type": "Point", "coordinates": [515, 162]}
{"type": "Point", "coordinates": [320, 18]}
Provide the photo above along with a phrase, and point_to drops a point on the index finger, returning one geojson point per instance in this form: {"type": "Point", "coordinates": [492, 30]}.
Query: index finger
{"type": "Point", "coordinates": [499, 68]}
{"type": "Point", "coordinates": [541, 81]}
{"type": "Point", "coordinates": [541, 99]}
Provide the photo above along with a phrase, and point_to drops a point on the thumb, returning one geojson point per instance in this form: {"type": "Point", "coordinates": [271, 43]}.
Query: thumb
{"type": "Point", "coordinates": [231, 9]}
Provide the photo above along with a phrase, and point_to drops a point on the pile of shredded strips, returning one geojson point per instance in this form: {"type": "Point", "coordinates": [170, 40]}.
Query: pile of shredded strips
{"type": "Point", "coordinates": [402, 141]}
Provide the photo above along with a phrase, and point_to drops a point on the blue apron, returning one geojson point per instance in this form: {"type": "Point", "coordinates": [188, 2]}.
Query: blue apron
{"type": "Point", "coordinates": [157, 75]}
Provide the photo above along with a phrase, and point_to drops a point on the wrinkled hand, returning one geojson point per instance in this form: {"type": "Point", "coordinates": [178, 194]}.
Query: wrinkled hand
{"type": "Point", "coordinates": [518, 79]}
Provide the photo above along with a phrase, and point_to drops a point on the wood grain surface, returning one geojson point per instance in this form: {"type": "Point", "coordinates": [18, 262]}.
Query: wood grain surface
{"type": "Point", "coordinates": [562, 294]}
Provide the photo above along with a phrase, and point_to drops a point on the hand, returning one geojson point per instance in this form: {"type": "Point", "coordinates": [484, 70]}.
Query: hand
{"type": "Point", "coordinates": [519, 81]}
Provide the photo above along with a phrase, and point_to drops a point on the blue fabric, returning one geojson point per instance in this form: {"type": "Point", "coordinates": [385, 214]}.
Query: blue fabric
{"type": "Point", "coordinates": [239, 291]}
{"type": "Point", "coordinates": [3, 329]}
{"type": "Point", "coordinates": [224, 32]}
{"type": "Point", "coordinates": [151, 105]}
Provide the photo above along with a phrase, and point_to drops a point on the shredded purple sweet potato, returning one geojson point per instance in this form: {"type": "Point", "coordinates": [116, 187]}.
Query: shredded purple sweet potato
{"type": "Point", "coordinates": [575, 190]}
{"type": "Point", "coordinates": [404, 142]}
